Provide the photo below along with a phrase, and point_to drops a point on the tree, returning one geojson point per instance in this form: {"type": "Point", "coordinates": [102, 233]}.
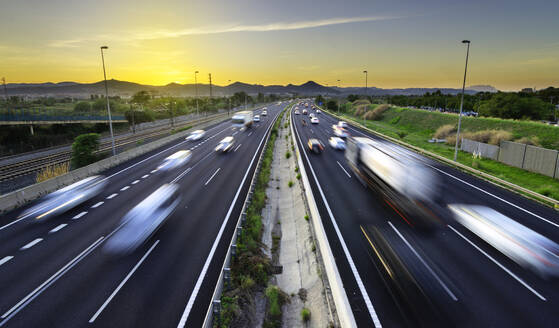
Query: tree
{"type": "Point", "coordinates": [352, 98]}
{"type": "Point", "coordinates": [82, 107]}
{"type": "Point", "coordinates": [83, 149]}
{"type": "Point", "coordinates": [332, 105]}
{"type": "Point", "coordinates": [141, 98]}
{"type": "Point", "coordinates": [319, 100]}
{"type": "Point", "coordinates": [514, 106]}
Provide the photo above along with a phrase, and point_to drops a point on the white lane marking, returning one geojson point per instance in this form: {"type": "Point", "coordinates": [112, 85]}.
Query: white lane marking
{"type": "Point", "coordinates": [349, 176]}
{"type": "Point", "coordinates": [234, 133]}
{"type": "Point", "coordinates": [356, 275]}
{"type": "Point", "coordinates": [124, 188]}
{"type": "Point", "coordinates": [213, 175]}
{"type": "Point", "coordinates": [122, 283]}
{"type": "Point", "coordinates": [135, 181]}
{"type": "Point", "coordinates": [499, 264]}
{"type": "Point", "coordinates": [31, 244]}
{"type": "Point", "coordinates": [495, 196]}
{"type": "Point", "coordinates": [5, 259]}
{"type": "Point", "coordinates": [58, 228]}
{"type": "Point", "coordinates": [52, 279]}
{"type": "Point", "coordinates": [237, 147]}
{"type": "Point", "coordinates": [449, 292]}
{"type": "Point", "coordinates": [79, 215]}
{"type": "Point", "coordinates": [181, 175]}
{"type": "Point", "coordinates": [153, 171]}
{"type": "Point", "coordinates": [196, 289]}
{"type": "Point", "coordinates": [98, 204]}
{"type": "Point", "coordinates": [145, 176]}
{"type": "Point", "coordinates": [250, 133]}
{"type": "Point", "coordinates": [112, 196]}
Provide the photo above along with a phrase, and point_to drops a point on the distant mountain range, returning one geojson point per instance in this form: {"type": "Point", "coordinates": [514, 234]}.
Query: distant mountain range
{"type": "Point", "coordinates": [127, 89]}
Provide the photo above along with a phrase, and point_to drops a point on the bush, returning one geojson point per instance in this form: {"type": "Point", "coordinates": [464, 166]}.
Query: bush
{"type": "Point", "coordinates": [297, 169]}
{"type": "Point", "coordinates": [306, 217]}
{"type": "Point", "coordinates": [290, 184]}
{"type": "Point", "coordinates": [376, 114]}
{"type": "Point", "coordinates": [445, 131]}
{"type": "Point", "coordinates": [82, 107]}
{"type": "Point", "coordinates": [493, 137]}
{"type": "Point", "coordinates": [395, 120]}
{"type": "Point", "coordinates": [287, 154]}
{"type": "Point", "coordinates": [401, 134]}
{"type": "Point", "coordinates": [299, 176]}
{"type": "Point", "coordinates": [532, 141]}
{"type": "Point", "coordinates": [84, 148]}
{"type": "Point", "coordinates": [52, 171]}
{"type": "Point", "coordinates": [305, 315]}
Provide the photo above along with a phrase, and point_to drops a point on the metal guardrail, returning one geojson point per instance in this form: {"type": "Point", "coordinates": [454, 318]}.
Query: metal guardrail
{"type": "Point", "coordinates": [26, 117]}
{"type": "Point", "coordinates": [225, 275]}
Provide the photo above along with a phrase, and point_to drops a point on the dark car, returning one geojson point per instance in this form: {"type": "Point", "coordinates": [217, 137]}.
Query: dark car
{"type": "Point", "coordinates": [315, 146]}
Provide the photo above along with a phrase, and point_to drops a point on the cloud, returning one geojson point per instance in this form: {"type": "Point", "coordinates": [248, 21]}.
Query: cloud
{"type": "Point", "coordinates": [235, 28]}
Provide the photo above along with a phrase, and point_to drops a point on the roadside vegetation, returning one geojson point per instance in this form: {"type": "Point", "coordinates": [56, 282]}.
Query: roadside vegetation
{"type": "Point", "coordinates": [250, 267]}
{"type": "Point", "coordinates": [52, 171]}
{"type": "Point", "coordinates": [83, 150]}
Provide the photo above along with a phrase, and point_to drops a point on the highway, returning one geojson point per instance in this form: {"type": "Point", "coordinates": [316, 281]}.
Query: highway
{"type": "Point", "coordinates": [474, 284]}
{"type": "Point", "coordinates": [56, 274]}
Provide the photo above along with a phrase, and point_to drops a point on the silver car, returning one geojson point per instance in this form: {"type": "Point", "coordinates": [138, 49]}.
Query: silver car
{"type": "Point", "coordinates": [225, 145]}
{"type": "Point", "coordinates": [174, 161]}
{"type": "Point", "coordinates": [196, 135]}
{"type": "Point", "coordinates": [66, 198]}
{"type": "Point", "coordinates": [141, 222]}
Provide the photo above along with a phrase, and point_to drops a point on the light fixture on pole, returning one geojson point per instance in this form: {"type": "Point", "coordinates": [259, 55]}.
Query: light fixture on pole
{"type": "Point", "coordinates": [366, 77]}
{"type": "Point", "coordinates": [338, 102]}
{"type": "Point", "coordinates": [107, 97]}
{"type": "Point", "coordinates": [196, 86]}
{"type": "Point", "coordinates": [467, 42]}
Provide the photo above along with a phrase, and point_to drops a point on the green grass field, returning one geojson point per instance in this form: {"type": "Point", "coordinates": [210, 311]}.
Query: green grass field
{"type": "Point", "coordinates": [416, 127]}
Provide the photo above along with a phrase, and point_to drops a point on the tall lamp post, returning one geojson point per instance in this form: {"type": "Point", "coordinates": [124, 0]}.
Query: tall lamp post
{"type": "Point", "coordinates": [196, 87]}
{"type": "Point", "coordinates": [229, 111]}
{"type": "Point", "coordinates": [467, 42]}
{"type": "Point", "coordinates": [366, 77]}
{"type": "Point", "coordinates": [338, 102]}
{"type": "Point", "coordinates": [107, 97]}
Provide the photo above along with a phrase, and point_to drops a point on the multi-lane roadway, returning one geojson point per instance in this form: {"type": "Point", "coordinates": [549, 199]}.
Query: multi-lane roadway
{"type": "Point", "coordinates": [56, 274]}
{"type": "Point", "coordinates": [475, 285]}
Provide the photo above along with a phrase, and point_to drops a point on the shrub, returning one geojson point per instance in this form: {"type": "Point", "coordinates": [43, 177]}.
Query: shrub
{"type": "Point", "coordinates": [82, 107]}
{"type": "Point", "coordinates": [532, 141]}
{"type": "Point", "coordinates": [84, 148]}
{"type": "Point", "coordinates": [52, 171]}
{"type": "Point", "coordinates": [376, 114]}
{"type": "Point", "coordinates": [445, 131]}
{"type": "Point", "coordinates": [306, 217]}
{"type": "Point", "coordinates": [401, 134]}
{"type": "Point", "coordinates": [287, 154]}
{"type": "Point", "coordinates": [297, 169]}
{"type": "Point", "coordinates": [305, 315]}
{"type": "Point", "coordinates": [395, 120]}
{"type": "Point", "coordinates": [290, 184]}
{"type": "Point", "coordinates": [299, 176]}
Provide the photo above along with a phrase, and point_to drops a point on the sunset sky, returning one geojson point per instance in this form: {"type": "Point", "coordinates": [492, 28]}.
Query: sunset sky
{"type": "Point", "coordinates": [402, 43]}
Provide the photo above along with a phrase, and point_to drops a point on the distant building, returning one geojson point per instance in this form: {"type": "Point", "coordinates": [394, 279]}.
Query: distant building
{"type": "Point", "coordinates": [527, 90]}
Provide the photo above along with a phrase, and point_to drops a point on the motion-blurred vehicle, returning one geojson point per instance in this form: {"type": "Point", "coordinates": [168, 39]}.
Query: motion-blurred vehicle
{"type": "Point", "coordinates": [242, 119]}
{"type": "Point", "coordinates": [406, 183]}
{"type": "Point", "coordinates": [315, 146]}
{"type": "Point", "coordinates": [416, 284]}
{"type": "Point", "coordinates": [318, 111]}
{"type": "Point", "coordinates": [256, 118]}
{"type": "Point", "coordinates": [311, 115]}
{"type": "Point", "coordinates": [196, 135]}
{"type": "Point", "coordinates": [305, 112]}
{"type": "Point", "coordinates": [521, 244]}
{"type": "Point", "coordinates": [314, 120]}
{"type": "Point", "coordinates": [66, 198]}
{"type": "Point", "coordinates": [343, 125]}
{"type": "Point", "coordinates": [264, 112]}
{"type": "Point", "coordinates": [297, 112]}
{"type": "Point", "coordinates": [336, 143]}
{"type": "Point", "coordinates": [174, 161]}
{"type": "Point", "coordinates": [225, 145]}
{"type": "Point", "coordinates": [339, 132]}
{"type": "Point", "coordinates": [141, 222]}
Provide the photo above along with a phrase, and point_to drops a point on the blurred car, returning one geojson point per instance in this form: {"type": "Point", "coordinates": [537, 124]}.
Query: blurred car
{"type": "Point", "coordinates": [336, 143]}
{"type": "Point", "coordinates": [264, 112]}
{"type": "Point", "coordinates": [256, 118]}
{"type": "Point", "coordinates": [315, 145]}
{"type": "Point", "coordinates": [311, 115]}
{"type": "Point", "coordinates": [305, 112]}
{"type": "Point", "coordinates": [196, 135]}
{"type": "Point", "coordinates": [174, 161]}
{"type": "Point", "coordinates": [66, 198]}
{"type": "Point", "coordinates": [142, 221]}
{"type": "Point", "coordinates": [318, 111]}
{"type": "Point", "coordinates": [297, 112]}
{"type": "Point", "coordinates": [342, 124]}
{"type": "Point", "coordinates": [314, 120]}
{"type": "Point", "coordinates": [225, 145]}
{"type": "Point", "coordinates": [340, 132]}
{"type": "Point", "coordinates": [521, 244]}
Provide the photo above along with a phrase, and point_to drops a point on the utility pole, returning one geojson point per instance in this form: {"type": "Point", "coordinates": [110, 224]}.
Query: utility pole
{"type": "Point", "coordinates": [5, 90]}
{"type": "Point", "coordinates": [554, 110]}
{"type": "Point", "coordinates": [229, 110]}
{"type": "Point", "coordinates": [108, 104]}
{"type": "Point", "coordinates": [210, 75]}
{"type": "Point", "coordinates": [461, 101]}
{"type": "Point", "coordinates": [196, 86]}
{"type": "Point", "coordinates": [133, 120]}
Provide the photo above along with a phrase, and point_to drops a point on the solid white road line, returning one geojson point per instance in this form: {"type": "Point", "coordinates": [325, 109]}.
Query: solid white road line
{"type": "Point", "coordinates": [250, 133]}
{"type": "Point", "coordinates": [349, 176]}
{"type": "Point", "coordinates": [58, 228]}
{"type": "Point", "coordinates": [181, 175]}
{"type": "Point", "coordinates": [31, 244]}
{"type": "Point", "coordinates": [135, 181]}
{"type": "Point", "coordinates": [122, 283]}
{"type": "Point", "coordinates": [79, 215]}
{"type": "Point", "coordinates": [145, 176]}
{"type": "Point", "coordinates": [5, 259]}
{"type": "Point", "coordinates": [124, 188]}
{"type": "Point", "coordinates": [499, 264]}
{"type": "Point", "coordinates": [213, 175]}
{"type": "Point", "coordinates": [52, 279]}
{"type": "Point", "coordinates": [153, 171]}
{"type": "Point", "coordinates": [112, 196]}
{"type": "Point", "coordinates": [449, 292]}
{"type": "Point", "coordinates": [98, 204]}
{"type": "Point", "coordinates": [196, 289]}
{"type": "Point", "coordinates": [356, 274]}
{"type": "Point", "coordinates": [237, 147]}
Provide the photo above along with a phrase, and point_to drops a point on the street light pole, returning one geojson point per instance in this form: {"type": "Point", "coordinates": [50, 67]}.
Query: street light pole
{"type": "Point", "coordinates": [461, 100]}
{"type": "Point", "coordinates": [337, 103]}
{"type": "Point", "coordinates": [107, 96]}
{"type": "Point", "coordinates": [229, 110]}
{"type": "Point", "coordinates": [366, 77]}
{"type": "Point", "coordinates": [196, 86]}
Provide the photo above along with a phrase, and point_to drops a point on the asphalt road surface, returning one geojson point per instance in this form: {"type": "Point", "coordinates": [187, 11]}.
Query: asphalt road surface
{"type": "Point", "coordinates": [475, 285]}
{"type": "Point", "coordinates": [55, 273]}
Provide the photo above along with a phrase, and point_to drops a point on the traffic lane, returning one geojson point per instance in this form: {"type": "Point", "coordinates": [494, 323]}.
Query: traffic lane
{"type": "Point", "coordinates": [488, 292]}
{"type": "Point", "coordinates": [117, 274]}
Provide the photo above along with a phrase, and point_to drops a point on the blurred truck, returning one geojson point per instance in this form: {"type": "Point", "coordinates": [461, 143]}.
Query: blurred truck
{"type": "Point", "coordinates": [243, 119]}
{"type": "Point", "coordinates": [406, 184]}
